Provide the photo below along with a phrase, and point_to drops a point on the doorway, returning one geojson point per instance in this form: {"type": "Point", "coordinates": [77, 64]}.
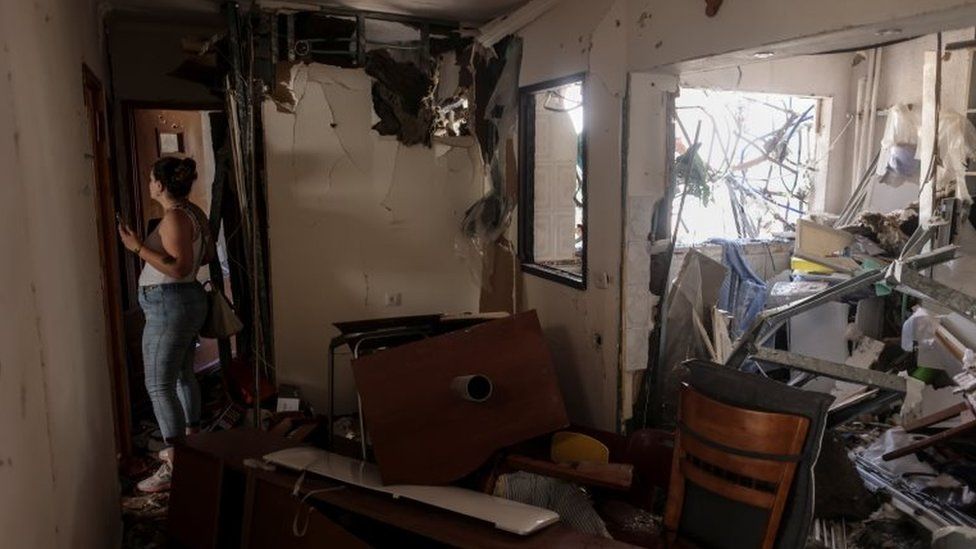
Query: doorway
{"type": "Point", "coordinates": [152, 131]}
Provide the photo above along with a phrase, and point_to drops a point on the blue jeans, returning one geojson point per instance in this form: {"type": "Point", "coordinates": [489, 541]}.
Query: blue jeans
{"type": "Point", "coordinates": [174, 315]}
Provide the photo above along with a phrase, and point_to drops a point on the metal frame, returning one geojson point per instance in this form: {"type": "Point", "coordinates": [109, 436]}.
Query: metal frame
{"type": "Point", "coordinates": [833, 370]}
{"type": "Point", "coordinates": [903, 275]}
{"type": "Point", "coordinates": [359, 41]}
{"type": "Point", "coordinates": [927, 510]}
{"type": "Point", "coordinates": [898, 274]}
{"type": "Point", "coordinates": [843, 414]}
{"type": "Point", "coordinates": [354, 341]}
{"type": "Point", "coordinates": [526, 215]}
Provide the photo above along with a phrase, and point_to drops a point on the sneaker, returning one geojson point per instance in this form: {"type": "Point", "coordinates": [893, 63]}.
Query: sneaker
{"type": "Point", "coordinates": [159, 481]}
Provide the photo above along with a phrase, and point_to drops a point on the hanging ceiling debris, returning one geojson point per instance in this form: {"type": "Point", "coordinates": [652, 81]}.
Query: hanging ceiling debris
{"type": "Point", "coordinates": [405, 57]}
{"type": "Point", "coordinates": [200, 65]}
{"type": "Point", "coordinates": [403, 98]}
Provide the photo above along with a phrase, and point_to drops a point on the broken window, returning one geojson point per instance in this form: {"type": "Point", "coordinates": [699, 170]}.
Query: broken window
{"type": "Point", "coordinates": [552, 213]}
{"type": "Point", "coordinates": [745, 163]}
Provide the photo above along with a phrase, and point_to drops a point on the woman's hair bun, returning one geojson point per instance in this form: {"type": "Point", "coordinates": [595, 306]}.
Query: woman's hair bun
{"type": "Point", "coordinates": [186, 170]}
{"type": "Point", "coordinates": [176, 175]}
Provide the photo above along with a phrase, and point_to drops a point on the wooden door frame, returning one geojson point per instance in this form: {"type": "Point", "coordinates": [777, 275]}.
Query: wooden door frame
{"type": "Point", "coordinates": [106, 206]}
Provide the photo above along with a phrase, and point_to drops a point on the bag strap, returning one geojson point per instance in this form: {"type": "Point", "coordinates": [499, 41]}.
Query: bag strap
{"type": "Point", "coordinates": [203, 229]}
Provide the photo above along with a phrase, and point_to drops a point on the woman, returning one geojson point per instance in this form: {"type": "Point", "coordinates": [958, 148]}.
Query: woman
{"type": "Point", "coordinates": [174, 303]}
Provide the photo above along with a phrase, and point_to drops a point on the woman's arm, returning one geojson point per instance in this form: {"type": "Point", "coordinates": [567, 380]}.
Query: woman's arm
{"type": "Point", "coordinates": [175, 260]}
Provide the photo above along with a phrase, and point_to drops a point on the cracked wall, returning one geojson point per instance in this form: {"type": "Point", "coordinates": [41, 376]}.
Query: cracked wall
{"type": "Point", "coordinates": [583, 326]}
{"type": "Point", "coordinates": [58, 483]}
{"type": "Point", "coordinates": [356, 217]}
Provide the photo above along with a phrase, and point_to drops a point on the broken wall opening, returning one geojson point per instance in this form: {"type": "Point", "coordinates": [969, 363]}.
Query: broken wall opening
{"type": "Point", "coordinates": [747, 162]}
{"type": "Point", "coordinates": [833, 338]}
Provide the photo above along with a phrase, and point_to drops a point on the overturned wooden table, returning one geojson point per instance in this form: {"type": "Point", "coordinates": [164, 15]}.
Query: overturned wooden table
{"type": "Point", "coordinates": [217, 501]}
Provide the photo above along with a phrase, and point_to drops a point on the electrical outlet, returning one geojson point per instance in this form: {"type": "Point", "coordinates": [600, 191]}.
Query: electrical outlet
{"type": "Point", "coordinates": [393, 299]}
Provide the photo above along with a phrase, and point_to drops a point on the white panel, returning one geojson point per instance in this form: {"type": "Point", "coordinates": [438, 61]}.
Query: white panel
{"type": "Point", "coordinates": [821, 332]}
{"type": "Point", "coordinates": [510, 516]}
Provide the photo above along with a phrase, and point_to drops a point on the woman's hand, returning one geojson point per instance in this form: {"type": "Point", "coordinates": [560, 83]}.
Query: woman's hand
{"type": "Point", "coordinates": [129, 238]}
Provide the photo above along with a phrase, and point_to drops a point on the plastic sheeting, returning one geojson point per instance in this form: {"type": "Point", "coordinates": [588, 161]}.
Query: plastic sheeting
{"type": "Point", "coordinates": [694, 291]}
{"type": "Point", "coordinates": [920, 327]}
{"type": "Point", "coordinates": [892, 439]}
{"type": "Point", "coordinates": [899, 142]}
{"type": "Point", "coordinates": [957, 144]}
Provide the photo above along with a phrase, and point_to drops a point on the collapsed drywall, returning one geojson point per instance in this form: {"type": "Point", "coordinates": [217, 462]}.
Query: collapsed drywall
{"type": "Point", "coordinates": [361, 225]}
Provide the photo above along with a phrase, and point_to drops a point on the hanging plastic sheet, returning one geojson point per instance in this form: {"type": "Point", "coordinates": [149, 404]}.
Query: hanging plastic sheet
{"type": "Point", "coordinates": [694, 291]}
{"type": "Point", "coordinates": [957, 145]}
{"type": "Point", "coordinates": [920, 327]}
{"type": "Point", "coordinates": [900, 139]}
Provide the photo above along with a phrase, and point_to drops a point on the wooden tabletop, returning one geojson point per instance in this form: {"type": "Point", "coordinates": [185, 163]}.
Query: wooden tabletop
{"type": "Point", "coordinates": [235, 445]}
{"type": "Point", "coordinates": [433, 523]}
{"type": "Point", "coordinates": [443, 526]}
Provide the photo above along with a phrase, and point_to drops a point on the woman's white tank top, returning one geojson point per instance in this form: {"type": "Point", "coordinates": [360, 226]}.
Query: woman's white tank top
{"type": "Point", "coordinates": [151, 276]}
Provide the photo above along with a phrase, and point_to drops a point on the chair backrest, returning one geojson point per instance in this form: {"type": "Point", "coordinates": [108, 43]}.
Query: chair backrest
{"type": "Point", "coordinates": [746, 456]}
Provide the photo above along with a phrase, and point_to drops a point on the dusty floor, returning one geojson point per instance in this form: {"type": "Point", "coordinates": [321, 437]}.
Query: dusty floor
{"type": "Point", "coordinates": [144, 515]}
{"type": "Point", "coordinates": [144, 521]}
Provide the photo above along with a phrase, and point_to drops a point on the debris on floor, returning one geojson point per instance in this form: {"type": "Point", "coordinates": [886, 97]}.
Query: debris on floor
{"type": "Point", "coordinates": [572, 503]}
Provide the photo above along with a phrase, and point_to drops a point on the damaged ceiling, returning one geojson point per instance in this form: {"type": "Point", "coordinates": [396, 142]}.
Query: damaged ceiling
{"type": "Point", "coordinates": [450, 10]}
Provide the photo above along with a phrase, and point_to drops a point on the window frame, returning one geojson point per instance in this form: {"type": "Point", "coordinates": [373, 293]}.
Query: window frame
{"type": "Point", "coordinates": [526, 210]}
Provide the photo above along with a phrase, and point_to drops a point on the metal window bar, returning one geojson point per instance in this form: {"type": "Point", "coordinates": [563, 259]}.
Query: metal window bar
{"type": "Point", "coordinates": [360, 42]}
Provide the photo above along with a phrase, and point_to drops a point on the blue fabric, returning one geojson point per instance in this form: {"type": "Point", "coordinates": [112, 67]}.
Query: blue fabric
{"type": "Point", "coordinates": [743, 292]}
{"type": "Point", "coordinates": [174, 315]}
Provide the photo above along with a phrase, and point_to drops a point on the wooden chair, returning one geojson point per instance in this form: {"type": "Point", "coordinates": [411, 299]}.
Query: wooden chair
{"type": "Point", "coordinates": [742, 455]}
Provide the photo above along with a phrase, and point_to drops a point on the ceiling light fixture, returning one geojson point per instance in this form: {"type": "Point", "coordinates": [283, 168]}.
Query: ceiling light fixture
{"type": "Point", "coordinates": [889, 32]}
{"type": "Point", "coordinates": [763, 54]}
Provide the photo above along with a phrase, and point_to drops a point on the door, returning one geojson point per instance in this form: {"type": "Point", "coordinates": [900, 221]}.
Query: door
{"type": "Point", "coordinates": [108, 249]}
